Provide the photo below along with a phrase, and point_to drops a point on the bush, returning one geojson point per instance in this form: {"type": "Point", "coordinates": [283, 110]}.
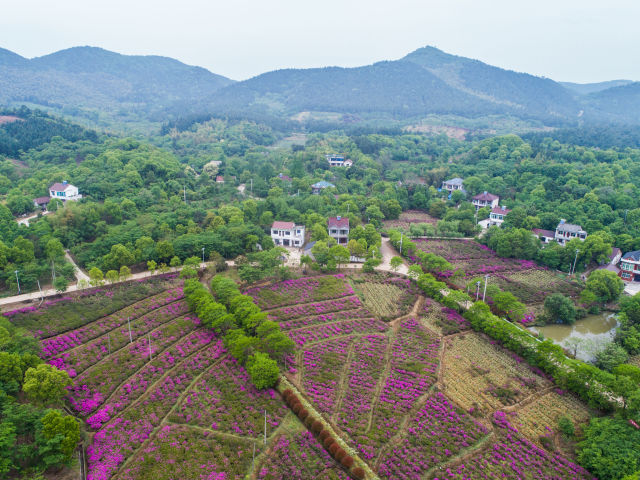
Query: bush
{"type": "Point", "coordinates": [316, 427]}
{"type": "Point", "coordinates": [340, 454]}
{"type": "Point", "coordinates": [303, 414]}
{"type": "Point", "coordinates": [566, 426]}
{"type": "Point", "coordinates": [287, 394]}
{"type": "Point", "coordinates": [347, 462]}
{"type": "Point", "coordinates": [358, 472]}
{"type": "Point", "coordinates": [333, 449]}
{"type": "Point", "coordinates": [263, 370]}
{"type": "Point", "coordinates": [296, 407]}
{"type": "Point", "coordinates": [323, 435]}
{"type": "Point", "coordinates": [309, 421]}
{"type": "Point", "coordinates": [328, 442]}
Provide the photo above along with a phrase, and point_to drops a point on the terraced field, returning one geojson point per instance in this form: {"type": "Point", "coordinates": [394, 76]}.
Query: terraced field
{"type": "Point", "coordinates": [414, 396]}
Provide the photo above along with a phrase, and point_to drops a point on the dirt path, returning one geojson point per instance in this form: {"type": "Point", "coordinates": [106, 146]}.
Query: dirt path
{"type": "Point", "coordinates": [80, 275]}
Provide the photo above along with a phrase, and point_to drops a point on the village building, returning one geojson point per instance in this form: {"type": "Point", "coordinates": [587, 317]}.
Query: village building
{"type": "Point", "coordinates": [453, 185]}
{"type": "Point", "coordinates": [568, 231]}
{"type": "Point", "coordinates": [545, 236]}
{"type": "Point", "coordinates": [630, 266]}
{"type": "Point", "coordinates": [338, 161]}
{"type": "Point", "coordinates": [287, 234]}
{"type": "Point", "coordinates": [485, 199]}
{"type": "Point", "coordinates": [316, 188]}
{"type": "Point", "coordinates": [339, 229]}
{"type": "Point", "coordinates": [219, 179]}
{"type": "Point", "coordinates": [64, 191]}
{"type": "Point", "coordinates": [41, 202]}
{"type": "Point", "coordinates": [497, 216]}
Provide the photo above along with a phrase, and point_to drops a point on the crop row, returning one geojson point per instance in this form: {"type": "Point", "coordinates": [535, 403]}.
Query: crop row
{"type": "Point", "coordinates": [329, 330]}
{"type": "Point", "coordinates": [286, 314]}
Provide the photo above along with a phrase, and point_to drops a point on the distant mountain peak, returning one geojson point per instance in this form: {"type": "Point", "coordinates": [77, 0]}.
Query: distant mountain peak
{"type": "Point", "coordinates": [9, 58]}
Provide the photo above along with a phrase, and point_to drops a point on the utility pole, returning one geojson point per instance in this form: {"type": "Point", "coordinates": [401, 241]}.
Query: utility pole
{"type": "Point", "coordinates": [53, 271]}
{"type": "Point", "coordinates": [484, 294]}
{"type": "Point", "coordinates": [129, 323]}
{"type": "Point", "coordinates": [17, 281]}
{"type": "Point", "coordinates": [149, 339]}
{"type": "Point", "coordinates": [251, 179]}
{"type": "Point", "coordinates": [184, 191]}
{"type": "Point", "coordinates": [202, 254]}
{"type": "Point", "coordinates": [109, 343]}
{"type": "Point", "coordinates": [477, 290]}
{"type": "Point", "coordinates": [39, 288]}
{"type": "Point", "coordinates": [253, 459]}
{"type": "Point", "coordinates": [400, 243]}
{"type": "Point", "coordinates": [265, 427]}
{"type": "Point", "coordinates": [573, 270]}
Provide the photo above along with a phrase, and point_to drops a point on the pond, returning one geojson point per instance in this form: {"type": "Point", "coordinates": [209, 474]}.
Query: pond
{"type": "Point", "coordinates": [586, 337]}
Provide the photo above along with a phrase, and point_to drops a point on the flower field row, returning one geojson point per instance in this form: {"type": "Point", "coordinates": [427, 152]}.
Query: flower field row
{"type": "Point", "coordinates": [443, 320]}
{"type": "Point", "coordinates": [123, 435]}
{"type": "Point", "coordinates": [329, 330]}
{"type": "Point", "coordinates": [438, 431]}
{"type": "Point", "coordinates": [317, 308]}
{"type": "Point", "coordinates": [301, 290]}
{"type": "Point", "coordinates": [140, 382]}
{"type": "Point", "coordinates": [224, 399]}
{"type": "Point", "coordinates": [53, 346]}
{"type": "Point", "coordinates": [181, 452]}
{"type": "Point", "coordinates": [79, 359]}
{"type": "Point", "coordinates": [346, 314]}
{"type": "Point", "coordinates": [322, 366]}
{"type": "Point", "coordinates": [389, 299]}
{"type": "Point", "coordinates": [94, 385]}
{"type": "Point", "coordinates": [515, 457]}
{"type": "Point", "coordinates": [66, 313]}
{"type": "Point", "coordinates": [413, 363]}
{"type": "Point", "coordinates": [299, 456]}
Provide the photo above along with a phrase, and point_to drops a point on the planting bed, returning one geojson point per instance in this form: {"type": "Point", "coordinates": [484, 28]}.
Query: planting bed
{"type": "Point", "coordinates": [480, 375]}
{"type": "Point", "coordinates": [441, 319]}
{"type": "Point", "coordinates": [385, 297]}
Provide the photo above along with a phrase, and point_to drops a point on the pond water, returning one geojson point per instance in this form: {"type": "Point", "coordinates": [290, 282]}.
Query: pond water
{"type": "Point", "coordinates": [586, 337]}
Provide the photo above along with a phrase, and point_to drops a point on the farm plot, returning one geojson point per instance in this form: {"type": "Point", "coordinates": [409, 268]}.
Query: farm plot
{"type": "Point", "coordinates": [67, 313]}
{"type": "Point", "coordinates": [325, 331]}
{"type": "Point", "coordinates": [479, 375]}
{"type": "Point", "coordinates": [514, 457]}
{"type": "Point", "coordinates": [314, 309]}
{"type": "Point", "coordinates": [224, 399]}
{"type": "Point", "coordinates": [409, 217]}
{"type": "Point", "coordinates": [540, 417]}
{"type": "Point", "coordinates": [442, 320]}
{"type": "Point", "coordinates": [183, 452]}
{"type": "Point", "coordinates": [438, 431]}
{"type": "Point", "coordinates": [297, 455]}
{"type": "Point", "coordinates": [301, 290]}
{"type": "Point", "coordinates": [387, 298]}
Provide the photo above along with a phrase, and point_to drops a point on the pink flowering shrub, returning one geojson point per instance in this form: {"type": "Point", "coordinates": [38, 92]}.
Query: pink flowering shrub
{"type": "Point", "coordinates": [303, 336]}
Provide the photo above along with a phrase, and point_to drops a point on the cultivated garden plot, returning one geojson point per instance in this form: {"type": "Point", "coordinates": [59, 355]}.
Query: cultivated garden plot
{"type": "Point", "coordinates": [514, 457]}
{"type": "Point", "coordinates": [224, 400]}
{"type": "Point", "coordinates": [183, 452]}
{"type": "Point", "coordinates": [297, 455]}
{"type": "Point", "coordinates": [442, 320]}
{"type": "Point", "coordinates": [317, 312]}
{"type": "Point", "coordinates": [540, 417]}
{"type": "Point", "coordinates": [386, 297]}
{"type": "Point", "coordinates": [66, 313]}
{"type": "Point", "coordinates": [300, 290]}
{"type": "Point", "coordinates": [526, 280]}
{"type": "Point", "coordinates": [478, 374]}
{"type": "Point", "coordinates": [409, 217]}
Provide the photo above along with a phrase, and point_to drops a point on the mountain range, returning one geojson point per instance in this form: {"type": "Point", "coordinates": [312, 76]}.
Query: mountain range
{"type": "Point", "coordinates": [92, 82]}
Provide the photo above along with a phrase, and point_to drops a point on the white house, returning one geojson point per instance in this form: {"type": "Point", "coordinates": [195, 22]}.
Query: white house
{"type": "Point", "coordinates": [545, 236]}
{"type": "Point", "coordinates": [486, 199]}
{"type": "Point", "coordinates": [338, 161]}
{"type": "Point", "coordinates": [453, 185]}
{"type": "Point", "coordinates": [287, 234]}
{"type": "Point", "coordinates": [64, 191]}
{"type": "Point", "coordinates": [497, 216]}
{"type": "Point", "coordinates": [339, 229]}
{"type": "Point", "coordinates": [567, 231]}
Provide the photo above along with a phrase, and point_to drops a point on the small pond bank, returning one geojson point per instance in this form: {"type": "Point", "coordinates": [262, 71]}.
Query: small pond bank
{"type": "Point", "coordinates": [591, 332]}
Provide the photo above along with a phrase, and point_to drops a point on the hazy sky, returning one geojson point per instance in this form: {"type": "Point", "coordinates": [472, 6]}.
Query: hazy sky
{"type": "Point", "coordinates": [571, 40]}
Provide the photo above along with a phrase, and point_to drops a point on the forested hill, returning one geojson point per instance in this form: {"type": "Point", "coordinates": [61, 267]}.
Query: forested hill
{"type": "Point", "coordinates": [86, 81]}
{"type": "Point", "coordinates": [424, 82]}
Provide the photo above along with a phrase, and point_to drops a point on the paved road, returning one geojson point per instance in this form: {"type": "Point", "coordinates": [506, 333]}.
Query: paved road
{"type": "Point", "coordinates": [25, 220]}
{"type": "Point", "coordinates": [388, 252]}
{"type": "Point", "coordinates": [80, 275]}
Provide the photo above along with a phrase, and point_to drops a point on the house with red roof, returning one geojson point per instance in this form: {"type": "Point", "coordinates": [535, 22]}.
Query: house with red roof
{"type": "Point", "coordinates": [287, 234]}
{"type": "Point", "coordinates": [545, 236]}
{"type": "Point", "coordinates": [339, 229]}
{"type": "Point", "coordinates": [485, 199]}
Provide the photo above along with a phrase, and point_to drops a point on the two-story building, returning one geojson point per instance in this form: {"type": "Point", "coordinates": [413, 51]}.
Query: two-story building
{"type": "Point", "coordinates": [630, 266]}
{"type": "Point", "coordinates": [64, 191]}
{"type": "Point", "coordinates": [453, 185]}
{"type": "Point", "coordinates": [338, 161]}
{"type": "Point", "coordinates": [486, 199]}
{"type": "Point", "coordinates": [287, 234]}
{"type": "Point", "coordinates": [568, 231]}
{"type": "Point", "coordinates": [497, 216]}
{"type": "Point", "coordinates": [339, 229]}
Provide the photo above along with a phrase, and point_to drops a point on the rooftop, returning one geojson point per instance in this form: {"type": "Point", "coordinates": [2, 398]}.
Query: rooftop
{"type": "Point", "coordinates": [563, 226]}
{"type": "Point", "coordinates": [59, 187]}
{"type": "Point", "coordinates": [633, 256]}
{"type": "Point", "coordinates": [488, 197]}
{"type": "Point", "coordinates": [500, 210]}
{"type": "Point", "coordinates": [277, 225]}
{"type": "Point", "coordinates": [340, 222]}
{"type": "Point", "coordinates": [544, 233]}
{"type": "Point", "coordinates": [323, 184]}
{"type": "Point", "coordinates": [454, 181]}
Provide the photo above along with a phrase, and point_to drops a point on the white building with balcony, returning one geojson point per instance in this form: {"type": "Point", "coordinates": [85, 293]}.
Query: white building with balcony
{"type": "Point", "coordinates": [64, 191]}
{"type": "Point", "coordinates": [287, 234]}
{"type": "Point", "coordinates": [568, 231]}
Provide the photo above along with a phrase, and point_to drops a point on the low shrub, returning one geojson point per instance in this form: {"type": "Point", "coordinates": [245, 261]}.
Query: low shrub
{"type": "Point", "coordinates": [316, 427]}
{"type": "Point", "coordinates": [296, 407]}
{"type": "Point", "coordinates": [358, 472]}
{"type": "Point", "coordinates": [328, 442]}
{"type": "Point", "coordinates": [323, 435]}
{"type": "Point", "coordinates": [303, 414]}
{"type": "Point", "coordinates": [340, 454]}
{"type": "Point", "coordinates": [333, 449]}
{"type": "Point", "coordinates": [347, 462]}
